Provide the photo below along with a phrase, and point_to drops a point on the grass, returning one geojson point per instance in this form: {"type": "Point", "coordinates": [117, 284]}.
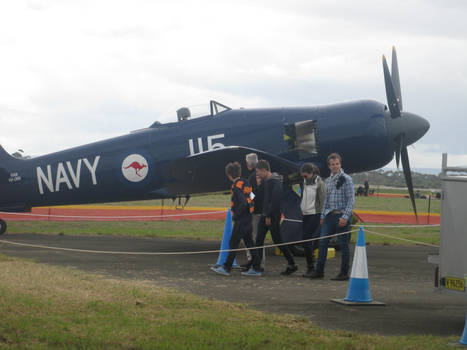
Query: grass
{"type": "Point", "coordinates": [173, 229]}
{"type": "Point", "coordinates": [396, 204]}
{"type": "Point", "coordinates": [47, 307]}
{"type": "Point", "coordinates": [213, 229]}
{"type": "Point", "coordinates": [211, 200]}
{"type": "Point", "coordinates": [210, 230]}
{"type": "Point", "coordinates": [44, 307]}
{"type": "Point", "coordinates": [398, 190]}
{"type": "Point", "coordinates": [430, 235]}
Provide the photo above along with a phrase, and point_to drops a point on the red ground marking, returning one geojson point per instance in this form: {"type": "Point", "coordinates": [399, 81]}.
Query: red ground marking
{"type": "Point", "coordinates": [53, 214]}
{"type": "Point", "coordinates": [399, 219]}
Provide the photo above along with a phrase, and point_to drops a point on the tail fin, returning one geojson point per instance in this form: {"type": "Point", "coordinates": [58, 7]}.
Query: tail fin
{"type": "Point", "coordinates": [5, 156]}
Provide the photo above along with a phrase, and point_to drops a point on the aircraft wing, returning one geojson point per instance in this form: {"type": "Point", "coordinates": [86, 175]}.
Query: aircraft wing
{"type": "Point", "coordinates": [205, 172]}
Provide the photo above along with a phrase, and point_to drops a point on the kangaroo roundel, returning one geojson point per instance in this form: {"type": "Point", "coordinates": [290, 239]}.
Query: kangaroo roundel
{"type": "Point", "coordinates": [135, 168]}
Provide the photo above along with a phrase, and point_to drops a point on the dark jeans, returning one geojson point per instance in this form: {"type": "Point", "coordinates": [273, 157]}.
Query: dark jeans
{"type": "Point", "coordinates": [276, 237]}
{"type": "Point", "coordinates": [331, 227]}
{"type": "Point", "coordinates": [242, 230]}
{"type": "Point", "coordinates": [310, 224]}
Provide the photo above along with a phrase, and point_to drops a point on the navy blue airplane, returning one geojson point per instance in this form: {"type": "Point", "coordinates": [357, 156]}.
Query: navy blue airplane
{"type": "Point", "coordinates": [188, 156]}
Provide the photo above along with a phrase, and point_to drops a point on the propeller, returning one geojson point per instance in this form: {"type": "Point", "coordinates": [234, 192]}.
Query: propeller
{"type": "Point", "coordinates": [399, 129]}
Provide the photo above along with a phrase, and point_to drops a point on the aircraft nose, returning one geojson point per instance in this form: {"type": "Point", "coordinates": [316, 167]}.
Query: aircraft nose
{"type": "Point", "coordinates": [411, 125]}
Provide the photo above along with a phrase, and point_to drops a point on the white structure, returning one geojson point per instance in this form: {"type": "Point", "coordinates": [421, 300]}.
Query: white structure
{"type": "Point", "coordinates": [451, 272]}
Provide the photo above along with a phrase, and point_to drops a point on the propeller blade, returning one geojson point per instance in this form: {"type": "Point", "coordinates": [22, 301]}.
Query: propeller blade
{"type": "Point", "coordinates": [398, 156]}
{"type": "Point", "coordinates": [395, 78]}
{"type": "Point", "coordinates": [390, 94]}
{"type": "Point", "coordinates": [408, 178]}
{"type": "Point", "coordinates": [400, 143]}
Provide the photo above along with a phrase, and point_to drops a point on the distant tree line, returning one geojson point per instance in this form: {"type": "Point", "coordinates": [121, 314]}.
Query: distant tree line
{"type": "Point", "coordinates": [397, 179]}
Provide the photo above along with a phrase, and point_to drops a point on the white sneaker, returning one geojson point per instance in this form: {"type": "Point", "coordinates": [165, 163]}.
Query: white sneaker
{"type": "Point", "coordinates": [220, 270]}
{"type": "Point", "coordinates": [251, 272]}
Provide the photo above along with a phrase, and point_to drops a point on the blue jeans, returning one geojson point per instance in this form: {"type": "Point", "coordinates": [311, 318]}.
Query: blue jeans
{"type": "Point", "coordinates": [331, 227]}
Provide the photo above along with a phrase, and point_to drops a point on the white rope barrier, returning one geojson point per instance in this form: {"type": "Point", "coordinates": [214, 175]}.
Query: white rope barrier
{"type": "Point", "coordinates": [293, 220]}
{"type": "Point", "coordinates": [377, 226]}
{"type": "Point", "coordinates": [390, 226]}
{"type": "Point", "coordinates": [396, 226]}
{"type": "Point", "coordinates": [90, 217]}
{"type": "Point", "coordinates": [402, 239]}
{"type": "Point", "coordinates": [169, 253]}
{"type": "Point", "coordinates": [383, 226]}
{"type": "Point", "coordinates": [210, 251]}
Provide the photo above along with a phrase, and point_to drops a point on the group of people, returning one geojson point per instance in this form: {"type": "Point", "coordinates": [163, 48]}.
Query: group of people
{"type": "Point", "coordinates": [256, 209]}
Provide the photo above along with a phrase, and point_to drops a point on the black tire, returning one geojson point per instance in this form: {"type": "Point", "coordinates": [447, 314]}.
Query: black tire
{"type": "Point", "coordinates": [2, 226]}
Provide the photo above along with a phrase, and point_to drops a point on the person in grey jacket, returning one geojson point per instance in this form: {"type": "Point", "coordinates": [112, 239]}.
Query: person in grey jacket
{"type": "Point", "coordinates": [313, 193]}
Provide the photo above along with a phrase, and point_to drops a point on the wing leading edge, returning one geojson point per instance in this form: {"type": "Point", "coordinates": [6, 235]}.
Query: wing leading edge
{"type": "Point", "coordinates": [204, 172]}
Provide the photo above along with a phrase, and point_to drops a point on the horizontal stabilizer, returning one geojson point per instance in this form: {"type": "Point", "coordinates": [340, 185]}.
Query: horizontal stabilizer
{"type": "Point", "coordinates": [205, 172]}
{"type": "Point", "coordinates": [5, 156]}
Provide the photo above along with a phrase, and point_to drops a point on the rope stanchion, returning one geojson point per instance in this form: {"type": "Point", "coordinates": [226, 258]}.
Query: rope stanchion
{"type": "Point", "coordinates": [167, 253]}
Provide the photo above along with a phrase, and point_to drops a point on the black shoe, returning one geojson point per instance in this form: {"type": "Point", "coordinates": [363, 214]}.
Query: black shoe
{"type": "Point", "coordinates": [316, 275]}
{"type": "Point", "coordinates": [308, 273]}
{"type": "Point", "coordinates": [340, 277]}
{"type": "Point", "coordinates": [289, 270]}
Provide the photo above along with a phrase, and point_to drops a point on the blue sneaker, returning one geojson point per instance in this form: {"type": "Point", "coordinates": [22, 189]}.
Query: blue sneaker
{"type": "Point", "coordinates": [251, 272]}
{"type": "Point", "coordinates": [220, 270]}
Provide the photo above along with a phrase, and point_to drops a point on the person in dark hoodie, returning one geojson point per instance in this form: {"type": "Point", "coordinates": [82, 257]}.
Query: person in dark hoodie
{"type": "Point", "coordinates": [271, 216]}
{"type": "Point", "coordinates": [242, 208]}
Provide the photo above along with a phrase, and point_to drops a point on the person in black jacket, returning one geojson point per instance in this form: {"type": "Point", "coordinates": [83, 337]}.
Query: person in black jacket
{"type": "Point", "coordinates": [242, 207]}
{"type": "Point", "coordinates": [271, 215]}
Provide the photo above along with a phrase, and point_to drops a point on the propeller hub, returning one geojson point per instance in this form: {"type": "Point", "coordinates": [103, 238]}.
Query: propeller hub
{"type": "Point", "coordinates": [412, 126]}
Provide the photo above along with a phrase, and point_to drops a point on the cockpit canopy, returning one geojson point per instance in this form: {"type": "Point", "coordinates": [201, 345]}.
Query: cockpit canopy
{"type": "Point", "coordinates": [197, 111]}
{"type": "Point", "coordinates": [215, 108]}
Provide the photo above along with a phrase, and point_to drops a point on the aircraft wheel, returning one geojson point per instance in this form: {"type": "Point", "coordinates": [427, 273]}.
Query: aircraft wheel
{"type": "Point", "coordinates": [2, 226]}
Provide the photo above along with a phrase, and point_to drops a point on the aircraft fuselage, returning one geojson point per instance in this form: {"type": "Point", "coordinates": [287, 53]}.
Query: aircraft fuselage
{"type": "Point", "coordinates": [133, 166]}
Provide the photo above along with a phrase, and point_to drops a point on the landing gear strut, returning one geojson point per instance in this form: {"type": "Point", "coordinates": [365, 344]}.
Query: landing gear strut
{"type": "Point", "coordinates": [2, 226]}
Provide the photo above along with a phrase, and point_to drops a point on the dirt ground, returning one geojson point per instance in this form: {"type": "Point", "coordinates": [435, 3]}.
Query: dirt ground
{"type": "Point", "coordinates": [399, 276]}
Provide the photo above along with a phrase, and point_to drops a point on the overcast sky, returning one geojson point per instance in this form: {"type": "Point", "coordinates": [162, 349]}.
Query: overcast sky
{"type": "Point", "coordinates": [72, 72]}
